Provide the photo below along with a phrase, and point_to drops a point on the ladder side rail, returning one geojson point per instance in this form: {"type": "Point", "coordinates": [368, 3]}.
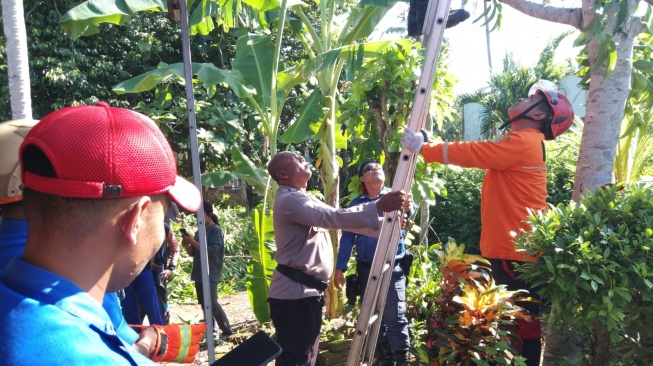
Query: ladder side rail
{"type": "Point", "coordinates": [376, 291]}
{"type": "Point", "coordinates": [439, 16]}
{"type": "Point", "coordinates": [375, 288]}
{"type": "Point", "coordinates": [382, 293]}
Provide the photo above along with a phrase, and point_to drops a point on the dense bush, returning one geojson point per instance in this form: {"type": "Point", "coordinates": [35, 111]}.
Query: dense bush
{"type": "Point", "coordinates": [596, 270]}
{"type": "Point", "coordinates": [458, 214]}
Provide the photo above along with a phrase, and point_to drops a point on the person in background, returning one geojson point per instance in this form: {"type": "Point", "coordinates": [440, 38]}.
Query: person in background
{"type": "Point", "coordinates": [215, 251]}
{"type": "Point", "coordinates": [514, 183]}
{"type": "Point", "coordinates": [305, 254]}
{"type": "Point", "coordinates": [393, 341]}
{"type": "Point", "coordinates": [13, 226]}
{"type": "Point", "coordinates": [94, 221]}
{"type": "Point", "coordinates": [141, 297]}
{"type": "Point", "coordinates": [173, 214]}
{"type": "Point", "coordinates": [163, 265]}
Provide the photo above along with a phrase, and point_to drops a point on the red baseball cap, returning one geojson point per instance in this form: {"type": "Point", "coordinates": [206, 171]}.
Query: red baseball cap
{"type": "Point", "coordinates": [105, 152]}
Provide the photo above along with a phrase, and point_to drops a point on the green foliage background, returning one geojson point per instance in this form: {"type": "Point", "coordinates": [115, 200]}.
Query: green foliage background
{"type": "Point", "coordinates": [67, 72]}
{"type": "Point", "coordinates": [238, 233]}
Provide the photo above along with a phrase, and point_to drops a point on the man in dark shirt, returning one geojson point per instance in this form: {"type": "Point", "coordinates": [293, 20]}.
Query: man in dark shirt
{"type": "Point", "coordinates": [215, 251]}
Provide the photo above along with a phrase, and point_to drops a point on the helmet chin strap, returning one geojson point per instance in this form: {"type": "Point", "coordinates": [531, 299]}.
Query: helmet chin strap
{"type": "Point", "coordinates": [522, 115]}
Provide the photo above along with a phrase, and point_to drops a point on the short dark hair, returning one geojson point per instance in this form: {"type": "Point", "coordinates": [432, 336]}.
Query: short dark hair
{"type": "Point", "coordinates": [77, 216]}
{"type": "Point", "coordinates": [208, 207]}
{"type": "Point", "coordinates": [274, 165]}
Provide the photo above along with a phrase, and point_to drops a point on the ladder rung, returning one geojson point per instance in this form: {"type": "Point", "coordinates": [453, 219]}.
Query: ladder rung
{"type": "Point", "coordinates": [373, 319]}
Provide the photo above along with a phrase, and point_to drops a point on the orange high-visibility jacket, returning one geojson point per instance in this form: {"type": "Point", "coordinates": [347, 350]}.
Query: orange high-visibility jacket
{"type": "Point", "coordinates": [515, 180]}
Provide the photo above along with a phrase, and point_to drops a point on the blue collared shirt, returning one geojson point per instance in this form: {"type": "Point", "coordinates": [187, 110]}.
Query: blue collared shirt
{"type": "Point", "coordinates": [46, 319]}
{"type": "Point", "coordinates": [365, 245]}
{"type": "Point", "coordinates": [13, 236]}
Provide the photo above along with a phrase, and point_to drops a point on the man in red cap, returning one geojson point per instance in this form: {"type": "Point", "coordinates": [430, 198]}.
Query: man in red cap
{"type": "Point", "coordinates": [97, 183]}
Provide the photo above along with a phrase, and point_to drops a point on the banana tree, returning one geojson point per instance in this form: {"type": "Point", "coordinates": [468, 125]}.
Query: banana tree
{"type": "Point", "coordinates": [634, 147]}
{"type": "Point", "coordinates": [259, 74]}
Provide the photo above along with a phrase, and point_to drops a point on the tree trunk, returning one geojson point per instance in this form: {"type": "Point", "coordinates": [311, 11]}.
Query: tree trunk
{"type": "Point", "coordinates": [13, 19]}
{"type": "Point", "coordinates": [605, 105]}
{"type": "Point", "coordinates": [424, 223]}
{"type": "Point", "coordinates": [601, 351]}
{"type": "Point", "coordinates": [559, 343]}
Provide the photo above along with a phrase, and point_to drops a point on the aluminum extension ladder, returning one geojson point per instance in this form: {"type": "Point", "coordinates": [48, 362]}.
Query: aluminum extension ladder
{"type": "Point", "coordinates": [369, 319]}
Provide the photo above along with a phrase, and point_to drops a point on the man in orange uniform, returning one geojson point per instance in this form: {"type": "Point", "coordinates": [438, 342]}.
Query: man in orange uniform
{"type": "Point", "coordinates": [515, 181]}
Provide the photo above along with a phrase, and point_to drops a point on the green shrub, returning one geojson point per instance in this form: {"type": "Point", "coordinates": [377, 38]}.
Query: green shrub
{"type": "Point", "coordinates": [596, 270]}
{"type": "Point", "coordinates": [458, 214]}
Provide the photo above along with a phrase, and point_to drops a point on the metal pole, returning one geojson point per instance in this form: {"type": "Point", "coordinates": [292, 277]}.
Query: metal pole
{"type": "Point", "coordinates": [195, 162]}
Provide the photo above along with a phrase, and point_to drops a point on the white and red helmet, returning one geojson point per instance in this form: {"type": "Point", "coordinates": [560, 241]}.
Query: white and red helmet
{"type": "Point", "coordinates": [561, 112]}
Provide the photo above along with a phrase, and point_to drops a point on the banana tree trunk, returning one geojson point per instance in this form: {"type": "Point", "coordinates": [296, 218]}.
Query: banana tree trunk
{"type": "Point", "coordinates": [330, 182]}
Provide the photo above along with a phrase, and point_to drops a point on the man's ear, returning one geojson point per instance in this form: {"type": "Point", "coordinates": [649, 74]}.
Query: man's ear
{"type": "Point", "coordinates": [282, 174]}
{"type": "Point", "coordinates": [132, 219]}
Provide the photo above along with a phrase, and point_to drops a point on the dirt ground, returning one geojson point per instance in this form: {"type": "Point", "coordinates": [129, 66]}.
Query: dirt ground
{"type": "Point", "coordinates": [240, 314]}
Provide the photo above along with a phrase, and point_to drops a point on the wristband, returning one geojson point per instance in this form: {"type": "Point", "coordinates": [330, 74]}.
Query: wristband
{"type": "Point", "coordinates": [172, 267]}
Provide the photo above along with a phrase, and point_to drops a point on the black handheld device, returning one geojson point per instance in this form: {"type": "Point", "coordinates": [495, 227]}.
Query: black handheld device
{"type": "Point", "coordinates": [184, 232]}
{"type": "Point", "coordinates": [257, 350]}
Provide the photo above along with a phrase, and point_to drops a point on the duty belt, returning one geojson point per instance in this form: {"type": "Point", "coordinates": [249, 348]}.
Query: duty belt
{"type": "Point", "coordinates": [301, 277]}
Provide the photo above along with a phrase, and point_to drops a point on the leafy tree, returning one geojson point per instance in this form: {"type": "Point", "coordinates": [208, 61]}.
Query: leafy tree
{"type": "Point", "coordinates": [66, 72]}
{"type": "Point", "coordinates": [377, 109]}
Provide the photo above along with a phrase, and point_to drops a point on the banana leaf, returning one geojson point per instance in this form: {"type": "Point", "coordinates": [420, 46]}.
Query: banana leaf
{"type": "Point", "coordinates": [262, 265]}
{"type": "Point", "coordinates": [256, 177]}
{"type": "Point", "coordinates": [308, 121]}
{"type": "Point", "coordinates": [208, 73]}
{"type": "Point", "coordinates": [83, 20]}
